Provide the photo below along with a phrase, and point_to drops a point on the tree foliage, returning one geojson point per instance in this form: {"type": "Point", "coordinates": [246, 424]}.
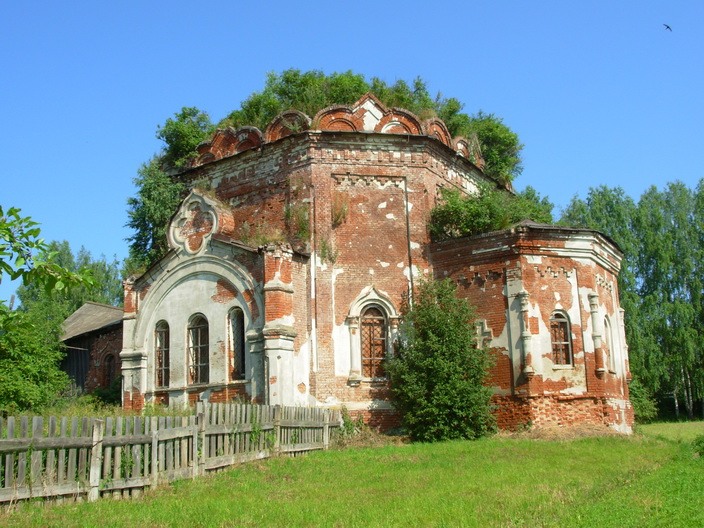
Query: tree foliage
{"type": "Point", "coordinates": [438, 373]}
{"type": "Point", "coordinates": [661, 284]}
{"type": "Point", "coordinates": [182, 134]}
{"type": "Point", "coordinates": [105, 286]}
{"type": "Point", "coordinates": [490, 209]}
{"type": "Point", "coordinates": [158, 196]}
{"type": "Point", "coordinates": [24, 255]}
{"type": "Point", "coordinates": [29, 345]}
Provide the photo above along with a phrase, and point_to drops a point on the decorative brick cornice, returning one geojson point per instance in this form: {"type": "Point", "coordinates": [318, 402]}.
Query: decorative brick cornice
{"type": "Point", "coordinates": [368, 114]}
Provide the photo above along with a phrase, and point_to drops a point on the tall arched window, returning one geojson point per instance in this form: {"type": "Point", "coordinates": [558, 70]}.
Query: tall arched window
{"type": "Point", "coordinates": [237, 343]}
{"type": "Point", "coordinates": [561, 337]}
{"type": "Point", "coordinates": [198, 350]}
{"type": "Point", "coordinates": [109, 369]}
{"type": "Point", "coordinates": [161, 353]}
{"type": "Point", "coordinates": [373, 337]}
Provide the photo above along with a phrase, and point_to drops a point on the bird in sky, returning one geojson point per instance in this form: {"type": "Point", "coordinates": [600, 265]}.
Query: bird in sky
{"type": "Point", "coordinates": [667, 27]}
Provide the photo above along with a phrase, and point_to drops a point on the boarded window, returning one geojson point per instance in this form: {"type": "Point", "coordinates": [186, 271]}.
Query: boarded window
{"type": "Point", "coordinates": [161, 346]}
{"type": "Point", "coordinates": [373, 342]}
{"type": "Point", "coordinates": [561, 339]}
{"type": "Point", "coordinates": [198, 350]}
{"type": "Point", "coordinates": [237, 342]}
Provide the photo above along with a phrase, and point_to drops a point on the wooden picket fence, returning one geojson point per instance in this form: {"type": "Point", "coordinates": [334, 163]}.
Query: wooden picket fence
{"type": "Point", "coordinates": [119, 457]}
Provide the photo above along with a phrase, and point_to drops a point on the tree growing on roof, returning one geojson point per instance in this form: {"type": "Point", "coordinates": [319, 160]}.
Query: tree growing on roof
{"type": "Point", "coordinates": [159, 192]}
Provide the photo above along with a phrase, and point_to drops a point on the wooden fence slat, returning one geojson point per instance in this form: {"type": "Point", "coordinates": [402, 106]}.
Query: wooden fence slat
{"type": "Point", "coordinates": [71, 465]}
{"type": "Point", "coordinates": [10, 457]}
{"type": "Point", "coordinates": [22, 456]}
{"type": "Point", "coordinates": [169, 446]}
{"type": "Point", "coordinates": [183, 444]}
{"type": "Point", "coordinates": [35, 473]}
{"type": "Point", "coordinates": [106, 474]}
{"type": "Point", "coordinates": [61, 464]}
{"type": "Point", "coordinates": [50, 474]}
{"type": "Point", "coordinates": [83, 452]}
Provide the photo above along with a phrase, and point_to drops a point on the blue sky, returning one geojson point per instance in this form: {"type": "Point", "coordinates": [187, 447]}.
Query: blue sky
{"type": "Point", "coordinates": [599, 92]}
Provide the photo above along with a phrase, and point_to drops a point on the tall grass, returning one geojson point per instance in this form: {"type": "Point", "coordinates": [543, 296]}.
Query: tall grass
{"type": "Point", "coordinates": [647, 480]}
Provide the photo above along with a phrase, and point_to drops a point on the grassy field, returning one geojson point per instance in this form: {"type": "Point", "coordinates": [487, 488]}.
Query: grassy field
{"type": "Point", "coordinates": [650, 479]}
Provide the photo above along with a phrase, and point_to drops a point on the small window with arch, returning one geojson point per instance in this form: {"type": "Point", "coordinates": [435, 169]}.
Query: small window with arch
{"type": "Point", "coordinates": [561, 338]}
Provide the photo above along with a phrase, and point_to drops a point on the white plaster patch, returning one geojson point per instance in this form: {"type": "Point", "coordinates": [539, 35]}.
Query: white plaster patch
{"type": "Point", "coordinates": [534, 259]}
{"type": "Point", "coordinates": [400, 265]}
{"type": "Point", "coordinates": [371, 271]}
{"type": "Point", "coordinates": [416, 272]}
{"type": "Point", "coordinates": [320, 263]}
{"type": "Point", "coordinates": [341, 349]}
{"type": "Point", "coordinates": [372, 116]}
{"type": "Point", "coordinates": [383, 264]}
{"type": "Point", "coordinates": [557, 296]}
{"type": "Point", "coordinates": [415, 245]}
{"type": "Point", "coordinates": [391, 216]}
{"type": "Point", "coordinates": [382, 205]}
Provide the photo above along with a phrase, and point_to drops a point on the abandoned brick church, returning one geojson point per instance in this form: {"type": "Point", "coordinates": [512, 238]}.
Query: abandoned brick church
{"type": "Point", "coordinates": [234, 312]}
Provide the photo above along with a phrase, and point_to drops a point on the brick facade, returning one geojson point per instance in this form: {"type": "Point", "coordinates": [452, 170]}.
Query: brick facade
{"type": "Point", "coordinates": [351, 191]}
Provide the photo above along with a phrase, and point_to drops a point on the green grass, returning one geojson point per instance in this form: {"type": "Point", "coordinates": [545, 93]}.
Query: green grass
{"type": "Point", "coordinates": [650, 479]}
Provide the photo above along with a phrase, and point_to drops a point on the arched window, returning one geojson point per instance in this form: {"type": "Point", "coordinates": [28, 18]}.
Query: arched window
{"type": "Point", "coordinates": [608, 345]}
{"type": "Point", "coordinates": [237, 343]}
{"type": "Point", "coordinates": [109, 370]}
{"type": "Point", "coordinates": [561, 337]}
{"type": "Point", "coordinates": [373, 337]}
{"type": "Point", "coordinates": [198, 350]}
{"type": "Point", "coordinates": [161, 353]}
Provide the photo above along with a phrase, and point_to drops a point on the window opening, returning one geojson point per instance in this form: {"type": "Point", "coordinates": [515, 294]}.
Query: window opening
{"type": "Point", "coordinates": [561, 339]}
{"type": "Point", "coordinates": [373, 342]}
{"type": "Point", "coordinates": [162, 354]}
{"type": "Point", "coordinates": [199, 361]}
{"type": "Point", "coordinates": [109, 369]}
{"type": "Point", "coordinates": [237, 340]}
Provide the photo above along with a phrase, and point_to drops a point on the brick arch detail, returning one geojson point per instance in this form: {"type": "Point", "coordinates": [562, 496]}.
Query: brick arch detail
{"type": "Point", "coordinates": [228, 142]}
{"type": "Point", "coordinates": [338, 118]}
{"type": "Point", "coordinates": [285, 124]}
{"type": "Point", "coordinates": [399, 121]}
{"type": "Point", "coordinates": [436, 128]}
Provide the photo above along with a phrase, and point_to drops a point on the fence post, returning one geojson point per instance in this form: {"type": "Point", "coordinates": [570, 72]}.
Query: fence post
{"type": "Point", "coordinates": [96, 460]}
{"type": "Point", "coordinates": [277, 429]}
{"type": "Point", "coordinates": [326, 428]}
